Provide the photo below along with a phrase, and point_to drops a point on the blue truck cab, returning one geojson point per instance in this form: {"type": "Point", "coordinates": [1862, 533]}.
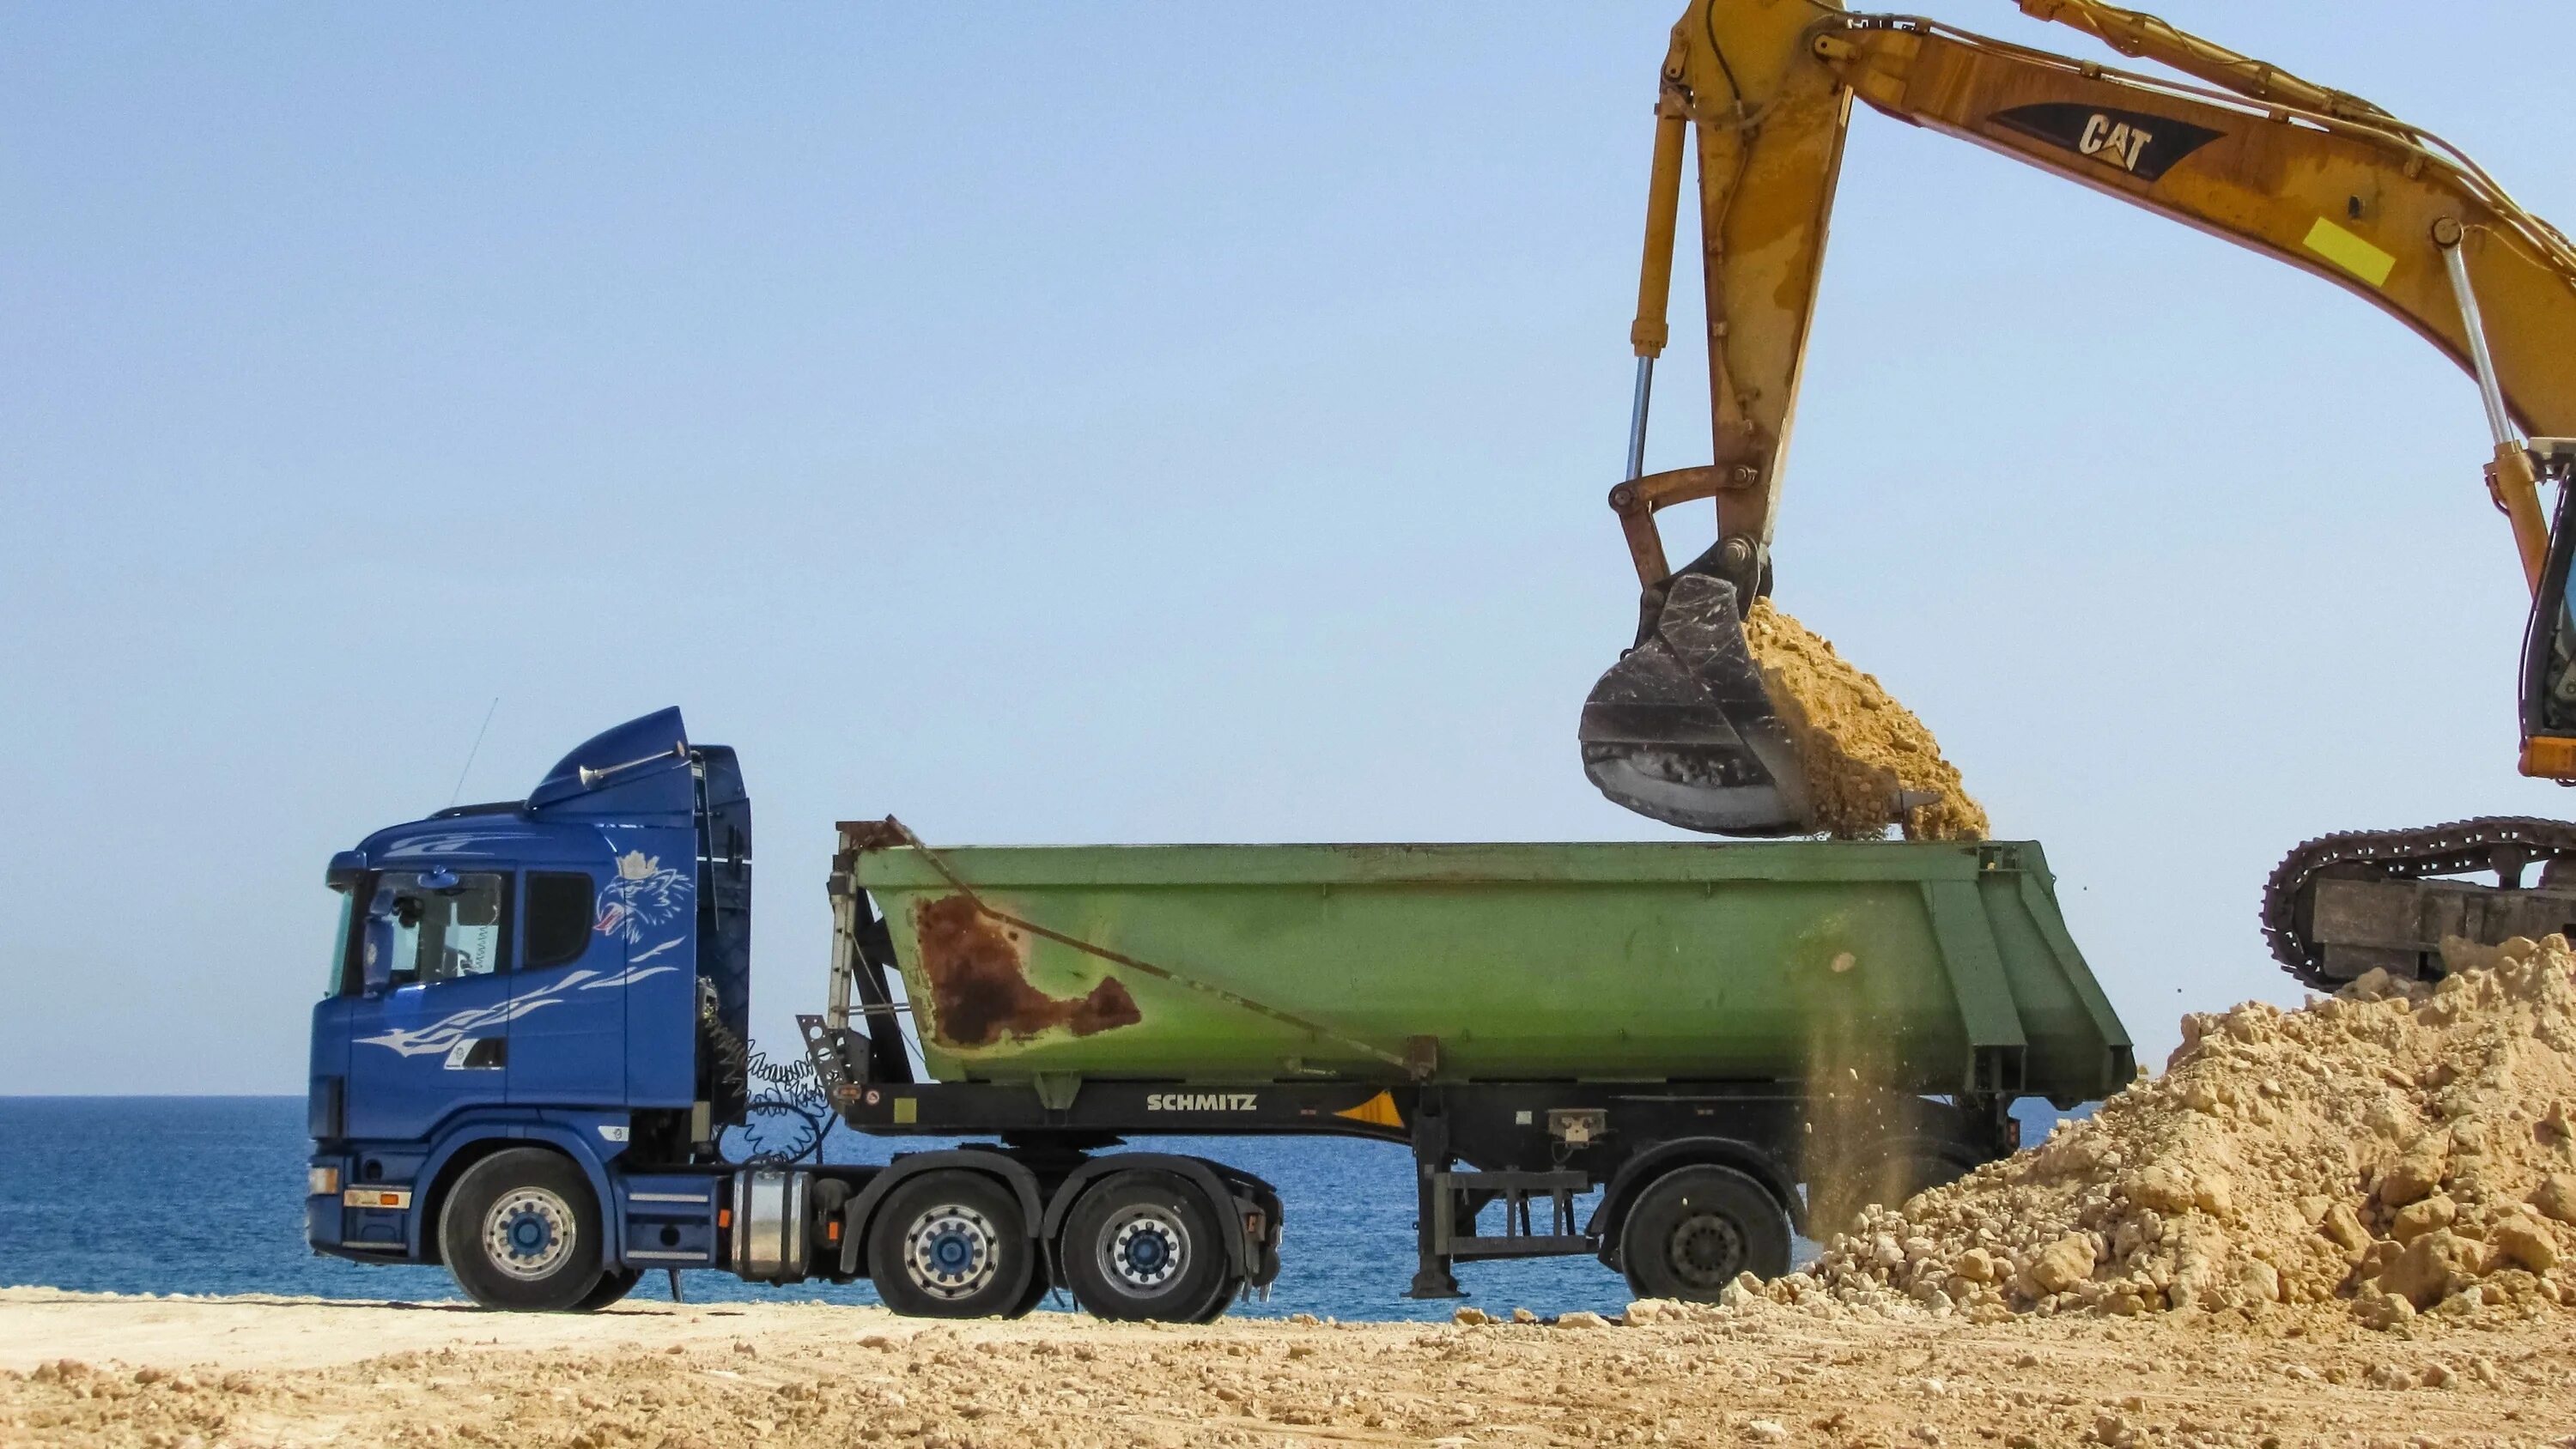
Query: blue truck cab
{"type": "Point", "coordinates": [534, 1038]}
{"type": "Point", "coordinates": [543, 980]}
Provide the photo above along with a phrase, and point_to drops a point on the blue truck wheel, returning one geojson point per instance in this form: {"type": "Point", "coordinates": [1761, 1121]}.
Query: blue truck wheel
{"type": "Point", "coordinates": [1146, 1246]}
{"type": "Point", "coordinates": [951, 1244]}
{"type": "Point", "coordinates": [522, 1231]}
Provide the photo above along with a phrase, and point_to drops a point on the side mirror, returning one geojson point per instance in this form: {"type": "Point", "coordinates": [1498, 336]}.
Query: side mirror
{"type": "Point", "coordinates": [376, 955]}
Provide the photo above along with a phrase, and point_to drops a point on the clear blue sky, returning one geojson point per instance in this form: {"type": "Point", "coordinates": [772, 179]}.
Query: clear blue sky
{"type": "Point", "coordinates": [1132, 423]}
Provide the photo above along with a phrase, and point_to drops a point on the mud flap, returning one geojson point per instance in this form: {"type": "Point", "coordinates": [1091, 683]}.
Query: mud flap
{"type": "Point", "coordinates": [1682, 731]}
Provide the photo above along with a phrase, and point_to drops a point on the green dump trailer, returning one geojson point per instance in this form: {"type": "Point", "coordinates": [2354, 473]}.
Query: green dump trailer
{"type": "Point", "coordinates": [1729, 1041]}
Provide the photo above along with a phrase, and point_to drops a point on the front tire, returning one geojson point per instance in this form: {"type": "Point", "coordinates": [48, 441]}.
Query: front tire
{"type": "Point", "coordinates": [951, 1244]}
{"type": "Point", "coordinates": [1696, 1229]}
{"type": "Point", "coordinates": [1145, 1246]}
{"type": "Point", "coordinates": [612, 1286]}
{"type": "Point", "coordinates": [521, 1232]}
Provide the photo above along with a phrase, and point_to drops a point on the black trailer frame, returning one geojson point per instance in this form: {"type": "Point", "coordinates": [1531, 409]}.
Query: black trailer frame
{"type": "Point", "coordinates": [1475, 1144]}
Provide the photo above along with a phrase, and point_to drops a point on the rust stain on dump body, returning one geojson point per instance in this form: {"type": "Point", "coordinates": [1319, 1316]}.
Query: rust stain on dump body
{"type": "Point", "coordinates": [979, 984]}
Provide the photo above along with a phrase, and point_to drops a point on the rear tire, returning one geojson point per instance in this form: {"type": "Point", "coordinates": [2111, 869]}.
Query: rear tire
{"type": "Point", "coordinates": [1039, 1287]}
{"type": "Point", "coordinates": [521, 1232]}
{"type": "Point", "coordinates": [952, 1244]}
{"type": "Point", "coordinates": [1218, 1302]}
{"type": "Point", "coordinates": [1696, 1229]}
{"type": "Point", "coordinates": [1145, 1246]}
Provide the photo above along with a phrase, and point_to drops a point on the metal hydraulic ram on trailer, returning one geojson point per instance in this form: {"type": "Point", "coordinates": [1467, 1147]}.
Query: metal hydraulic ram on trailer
{"type": "Point", "coordinates": [533, 1044]}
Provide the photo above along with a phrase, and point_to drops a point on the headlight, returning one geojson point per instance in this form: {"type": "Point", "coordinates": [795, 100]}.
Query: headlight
{"type": "Point", "coordinates": [322, 1182]}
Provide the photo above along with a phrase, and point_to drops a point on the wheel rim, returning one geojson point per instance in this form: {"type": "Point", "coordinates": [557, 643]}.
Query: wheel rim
{"type": "Point", "coordinates": [1144, 1250]}
{"type": "Point", "coordinates": [951, 1252]}
{"type": "Point", "coordinates": [529, 1233]}
{"type": "Point", "coordinates": [1706, 1251]}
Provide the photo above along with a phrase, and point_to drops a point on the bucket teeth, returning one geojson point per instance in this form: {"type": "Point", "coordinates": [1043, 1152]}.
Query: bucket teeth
{"type": "Point", "coordinates": [1681, 730]}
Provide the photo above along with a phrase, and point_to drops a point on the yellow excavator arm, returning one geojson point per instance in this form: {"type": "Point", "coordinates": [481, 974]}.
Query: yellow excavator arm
{"type": "Point", "coordinates": [2316, 178]}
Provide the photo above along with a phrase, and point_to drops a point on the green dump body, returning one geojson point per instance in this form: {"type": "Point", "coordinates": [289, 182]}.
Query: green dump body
{"type": "Point", "coordinates": [1930, 968]}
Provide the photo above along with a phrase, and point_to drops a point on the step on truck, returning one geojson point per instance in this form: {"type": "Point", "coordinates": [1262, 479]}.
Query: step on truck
{"type": "Point", "coordinates": [532, 1048]}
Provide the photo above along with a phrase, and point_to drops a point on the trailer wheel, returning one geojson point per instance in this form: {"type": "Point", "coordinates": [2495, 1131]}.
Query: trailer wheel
{"type": "Point", "coordinates": [1221, 1300]}
{"type": "Point", "coordinates": [1695, 1229]}
{"type": "Point", "coordinates": [951, 1245]}
{"type": "Point", "coordinates": [521, 1231]}
{"type": "Point", "coordinates": [1146, 1246]}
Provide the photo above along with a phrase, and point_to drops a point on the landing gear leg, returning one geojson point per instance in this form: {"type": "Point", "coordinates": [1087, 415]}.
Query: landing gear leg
{"type": "Point", "coordinates": [1431, 1275]}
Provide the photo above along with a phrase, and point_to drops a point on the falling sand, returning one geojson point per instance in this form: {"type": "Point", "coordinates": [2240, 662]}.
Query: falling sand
{"type": "Point", "coordinates": [1861, 748]}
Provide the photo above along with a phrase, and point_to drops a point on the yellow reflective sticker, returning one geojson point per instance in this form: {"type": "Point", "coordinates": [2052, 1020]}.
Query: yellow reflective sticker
{"type": "Point", "coordinates": [1377, 1111]}
{"type": "Point", "coordinates": [907, 1111]}
{"type": "Point", "coordinates": [2350, 252]}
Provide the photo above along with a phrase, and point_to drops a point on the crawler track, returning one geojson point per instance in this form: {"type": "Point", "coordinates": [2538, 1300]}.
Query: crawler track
{"type": "Point", "coordinates": [2502, 843]}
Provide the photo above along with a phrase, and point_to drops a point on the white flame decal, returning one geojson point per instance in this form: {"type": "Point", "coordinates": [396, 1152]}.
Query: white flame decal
{"type": "Point", "coordinates": [445, 1033]}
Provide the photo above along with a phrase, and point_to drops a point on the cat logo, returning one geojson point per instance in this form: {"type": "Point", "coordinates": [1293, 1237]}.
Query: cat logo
{"type": "Point", "coordinates": [2136, 143]}
{"type": "Point", "coordinates": [2117, 142]}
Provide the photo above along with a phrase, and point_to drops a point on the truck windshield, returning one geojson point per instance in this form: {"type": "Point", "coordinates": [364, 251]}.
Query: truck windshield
{"type": "Point", "coordinates": [441, 934]}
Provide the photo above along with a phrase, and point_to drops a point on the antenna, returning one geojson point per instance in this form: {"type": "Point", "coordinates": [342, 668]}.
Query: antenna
{"type": "Point", "coordinates": [456, 794]}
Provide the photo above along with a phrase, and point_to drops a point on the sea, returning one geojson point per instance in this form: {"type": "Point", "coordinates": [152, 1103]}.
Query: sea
{"type": "Point", "coordinates": [204, 1195]}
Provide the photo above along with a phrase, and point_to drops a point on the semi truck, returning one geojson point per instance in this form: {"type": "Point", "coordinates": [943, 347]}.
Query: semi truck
{"type": "Point", "coordinates": [1667, 1056]}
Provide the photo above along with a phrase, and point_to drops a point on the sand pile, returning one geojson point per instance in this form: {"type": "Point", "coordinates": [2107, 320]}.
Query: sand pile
{"type": "Point", "coordinates": [1860, 747]}
{"type": "Point", "coordinates": [2390, 1151]}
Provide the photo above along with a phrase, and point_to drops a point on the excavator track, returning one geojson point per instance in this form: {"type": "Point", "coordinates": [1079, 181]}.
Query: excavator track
{"type": "Point", "coordinates": [2504, 844]}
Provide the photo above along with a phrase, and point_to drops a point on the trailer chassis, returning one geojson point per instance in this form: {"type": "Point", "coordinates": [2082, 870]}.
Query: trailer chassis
{"type": "Point", "coordinates": [1531, 1148]}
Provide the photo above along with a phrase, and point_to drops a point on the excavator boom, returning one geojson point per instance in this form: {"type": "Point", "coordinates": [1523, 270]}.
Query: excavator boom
{"type": "Point", "coordinates": [1680, 729]}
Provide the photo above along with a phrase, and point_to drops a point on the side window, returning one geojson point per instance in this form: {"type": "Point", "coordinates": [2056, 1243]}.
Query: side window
{"type": "Point", "coordinates": [441, 931]}
{"type": "Point", "coordinates": [344, 954]}
{"type": "Point", "coordinates": [559, 911]}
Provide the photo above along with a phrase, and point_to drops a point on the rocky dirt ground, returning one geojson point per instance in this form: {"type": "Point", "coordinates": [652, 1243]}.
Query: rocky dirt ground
{"type": "Point", "coordinates": [96, 1370]}
{"type": "Point", "coordinates": [2351, 1224]}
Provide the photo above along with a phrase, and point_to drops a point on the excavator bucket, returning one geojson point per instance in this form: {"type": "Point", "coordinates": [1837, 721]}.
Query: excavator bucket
{"type": "Point", "coordinates": [1681, 729]}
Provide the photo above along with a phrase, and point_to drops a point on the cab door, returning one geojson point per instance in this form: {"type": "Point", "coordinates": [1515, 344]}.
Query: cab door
{"type": "Point", "coordinates": [568, 1006]}
{"type": "Point", "coordinates": [427, 1027]}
